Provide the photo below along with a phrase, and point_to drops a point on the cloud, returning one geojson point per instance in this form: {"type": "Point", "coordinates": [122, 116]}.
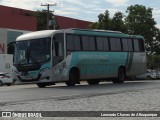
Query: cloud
{"type": "Point", "coordinates": [61, 12]}
{"type": "Point", "coordinates": [112, 11]}
{"type": "Point", "coordinates": [117, 3]}
{"type": "Point", "coordinates": [25, 4]}
{"type": "Point", "coordinates": [29, 4]}
{"type": "Point", "coordinates": [67, 11]}
{"type": "Point", "coordinates": [75, 2]}
{"type": "Point", "coordinates": [156, 13]}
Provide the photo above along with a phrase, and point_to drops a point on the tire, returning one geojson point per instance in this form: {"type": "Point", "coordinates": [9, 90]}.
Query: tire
{"type": "Point", "coordinates": [121, 76]}
{"type": "Point", "coordinates": [8, 84]}
{"type": "Point", "coordinates": [93, 82]}
{"type": "Point", "coordinates": [148, 78]}
{"type": "Point", "coordinates": [1, 83]}
{"type": "Point", "coordinates": [73, 77]}
{"type": "Point", "coordinates": [41, 85]}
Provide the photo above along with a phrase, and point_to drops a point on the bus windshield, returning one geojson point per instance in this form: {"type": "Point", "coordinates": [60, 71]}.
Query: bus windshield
{"type": "Point", "coordinates": [32, 51]}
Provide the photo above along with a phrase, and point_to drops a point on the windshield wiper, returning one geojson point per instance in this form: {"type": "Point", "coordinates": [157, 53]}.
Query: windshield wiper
{"type": "Point", "coordinates": [27, 56]}
{"type": "Point", "coordinates": [24, 57]}
{"type": "Point", "coordinates": [34, 60]}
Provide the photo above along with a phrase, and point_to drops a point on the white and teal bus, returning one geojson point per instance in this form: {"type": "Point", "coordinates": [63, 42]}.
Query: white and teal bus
{"type": "Point", "coordinates": [72, 55]}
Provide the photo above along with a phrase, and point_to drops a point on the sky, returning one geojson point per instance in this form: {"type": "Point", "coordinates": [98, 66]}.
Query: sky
{"type": "Point", "coordinates": [87, 10]}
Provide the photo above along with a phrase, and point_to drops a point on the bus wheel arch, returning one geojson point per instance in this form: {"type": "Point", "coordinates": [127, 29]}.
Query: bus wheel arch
{"type": "Point", "coordinates": [74, 76]}
{"type": "Point", "coordinates": [121, 75]}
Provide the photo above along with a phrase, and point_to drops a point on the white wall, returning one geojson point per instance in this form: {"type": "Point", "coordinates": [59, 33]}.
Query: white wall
{"type": "Point", "coordinates": [3, 41]}
{"type": "Point", "coordinates": [6, 61]}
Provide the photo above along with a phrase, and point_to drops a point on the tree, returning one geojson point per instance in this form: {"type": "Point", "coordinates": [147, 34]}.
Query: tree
{"type": "Point", "coordinates": [117, 23]}
{"type": "Point", "coordinates": [140, 21]}
{"type": "Point", "coordinates": [106, 23]}
{"type": "Point", "coordinates": [103, 21]}
{"type": "Point", "coordinates": [42, 19]}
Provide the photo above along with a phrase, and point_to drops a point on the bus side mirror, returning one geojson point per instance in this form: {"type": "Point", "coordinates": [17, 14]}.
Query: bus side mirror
{"type": "Point", "coordinates": [11, 48]}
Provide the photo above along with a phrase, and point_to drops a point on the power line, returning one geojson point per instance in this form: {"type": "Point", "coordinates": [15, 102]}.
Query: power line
{"type": "Point", "coordinates": [48, 6]}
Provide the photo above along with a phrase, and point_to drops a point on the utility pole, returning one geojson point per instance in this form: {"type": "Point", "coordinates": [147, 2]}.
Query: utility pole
{"type": "Point", "coordinates": [48, 5]}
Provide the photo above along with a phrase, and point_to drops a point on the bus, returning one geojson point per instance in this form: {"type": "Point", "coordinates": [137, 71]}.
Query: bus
{"type": "Point", "coordinates": [73, 55]}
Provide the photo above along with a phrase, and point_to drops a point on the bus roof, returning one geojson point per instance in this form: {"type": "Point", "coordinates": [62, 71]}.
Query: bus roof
{"type": "Point", "coordinates": [105, 33]}
{"type": "Point", "coordinates": [49, 33]}
{"type": "Point", "coordinates": [36, 35]}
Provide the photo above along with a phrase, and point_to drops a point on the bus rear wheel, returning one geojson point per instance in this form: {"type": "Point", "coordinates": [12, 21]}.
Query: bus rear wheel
{"type": "Point", "coordinates": [121, 76]}
{"type": "Point", "coordinates": [93, 82]}
{"type": "Point", "coordinates": [73, 77]}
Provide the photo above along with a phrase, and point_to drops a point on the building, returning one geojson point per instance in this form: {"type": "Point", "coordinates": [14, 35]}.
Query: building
{"type": "Point", "coordinates": [20, 19]}
{"type": "Point", "coordinates": [66, 22]}
{"type": "Point", "coordinates": [15, 22]}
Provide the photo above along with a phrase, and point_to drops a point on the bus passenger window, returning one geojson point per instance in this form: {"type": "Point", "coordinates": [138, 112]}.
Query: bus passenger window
{"type": "Point", "coordinates": [125, 45]}
{"type": "Point", "coordinates": [130, 45]}
{"type": "Point", "coordinates": [105, 44]}
{"type": "Point", "coordinates": [77, 44]}
{"type": "Point", "coordinates": [118, 44]}
{"type": "Point", "coordinates": [136, 45]}
{"type": "Point", "coordinates": [85, 43]}
{"type": "Point", "coordinates": [92, 43]}
{"type": "Point", "coordinates": [99, 42]}
{"type": "Point", "coordinates": [70, 42]}
{"type": "Point", "coordinates": [113, 44]}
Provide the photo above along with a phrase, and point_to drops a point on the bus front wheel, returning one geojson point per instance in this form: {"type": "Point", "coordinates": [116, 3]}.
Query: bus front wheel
{"type": "Point", "coordinates": [121, 76]}
{"type": "Point", "coordinates": [73, 77]}
{"type": "Point", "coordinates": [41, 85]}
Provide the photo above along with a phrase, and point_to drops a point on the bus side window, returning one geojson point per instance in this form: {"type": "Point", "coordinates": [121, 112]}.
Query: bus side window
{"type": "Point", "coordinates": [113, 44]}
{"type": "Point", "coordinates": [70, 42]}
{"type": "Point", "coordinates": [136, 45]}
{"type": "Point", "coordinates": [127, 44]}
{"type": "Point", "coordinates": [85, 43]}
{"type": "Point", "coordinates": [99, 42]}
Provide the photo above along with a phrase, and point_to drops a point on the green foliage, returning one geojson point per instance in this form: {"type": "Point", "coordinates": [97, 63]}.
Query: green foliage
{"type": "Point", "coordinates": [106, 23]}
{"type": "Point", "coordinates": [140, 21]}
{"type": "Point", "coordinates": [103, 21]}
{"type": "Point", "coordinates": [117, 23]}
{"type": "Point", "coordinates": [153, 61]}
{"type": "Point", "coordinates": [42, 20]}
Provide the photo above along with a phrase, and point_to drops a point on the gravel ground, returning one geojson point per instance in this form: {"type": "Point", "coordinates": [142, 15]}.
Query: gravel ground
{"type": "Point", "coordinates": [142, 100]}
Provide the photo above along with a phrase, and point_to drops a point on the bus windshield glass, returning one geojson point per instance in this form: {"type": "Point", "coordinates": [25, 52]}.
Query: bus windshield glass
{"type": "Point", "coordinates": [32, 51]}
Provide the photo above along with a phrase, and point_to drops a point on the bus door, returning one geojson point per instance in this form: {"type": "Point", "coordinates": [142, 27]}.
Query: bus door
{"type": "Point", "coordinates": [58, 55]}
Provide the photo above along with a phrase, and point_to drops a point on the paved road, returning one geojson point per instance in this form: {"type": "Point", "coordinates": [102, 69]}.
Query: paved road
{"type": "Point", "coordinates": [131, 96]}
{"type": "Point", "coordinates": [20, 93]}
